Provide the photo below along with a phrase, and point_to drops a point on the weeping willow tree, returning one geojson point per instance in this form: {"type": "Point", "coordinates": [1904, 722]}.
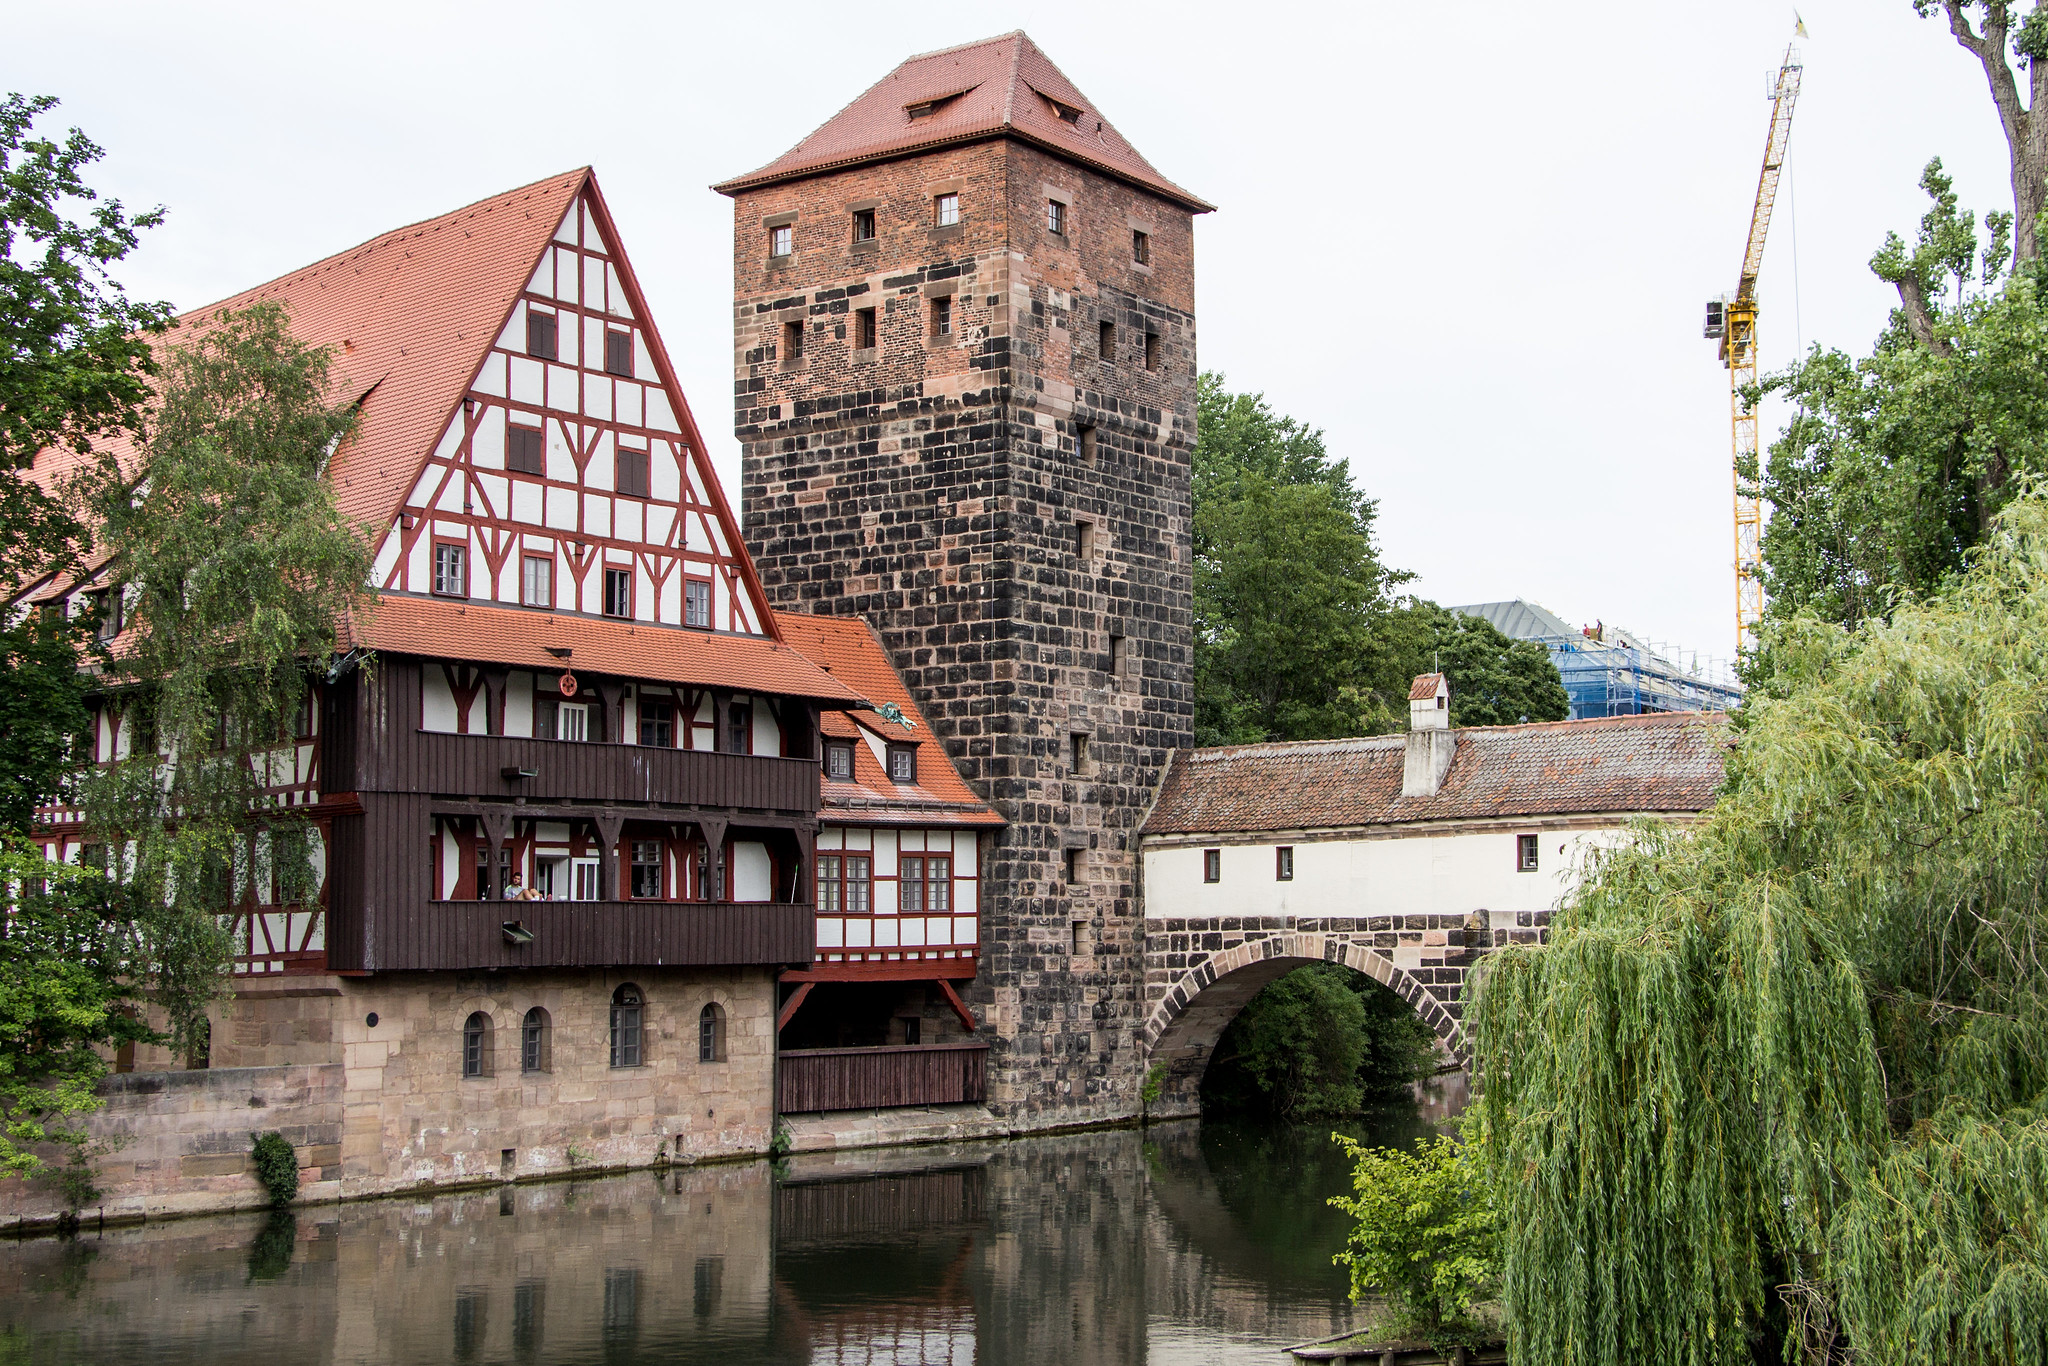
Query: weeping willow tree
{"type": "Point", "coordinates": [1777, 1087]}
{"type": "Point", "coordinates": [236, 566]}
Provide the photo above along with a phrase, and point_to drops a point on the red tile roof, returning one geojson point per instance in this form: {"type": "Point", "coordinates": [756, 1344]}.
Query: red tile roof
{"type": "Point", "coordinates": [997, 87]}
{"type": "Point", "coordinates": [850, 650]}
{"type": "Point", "coordinates": [1424, 687]}
{"type": "Point", "coordinates": [1657, 763]}
{"type": "Point", "coordinates": [479, 633]}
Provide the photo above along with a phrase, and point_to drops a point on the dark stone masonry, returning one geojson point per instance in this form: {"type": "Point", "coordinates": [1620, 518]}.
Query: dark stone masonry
{"type": "Point", "coordinates": [1000, 484]}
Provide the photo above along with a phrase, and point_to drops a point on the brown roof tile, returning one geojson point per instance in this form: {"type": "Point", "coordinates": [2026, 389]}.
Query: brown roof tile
{"type": "Point", "coordinates": [1670, 762]}
{"type": "Point", "coordinates": [997, 87]}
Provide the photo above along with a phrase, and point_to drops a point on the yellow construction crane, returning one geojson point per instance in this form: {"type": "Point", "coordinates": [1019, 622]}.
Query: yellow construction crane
{"type": "Point", "coordinates": [1732, 320]}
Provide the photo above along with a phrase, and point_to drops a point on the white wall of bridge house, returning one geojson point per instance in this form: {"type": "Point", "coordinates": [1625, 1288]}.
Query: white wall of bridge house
{"type": "Point", "coordinates": [1450, 871]}
{"type": "Point", "coordinates": [572, 513]}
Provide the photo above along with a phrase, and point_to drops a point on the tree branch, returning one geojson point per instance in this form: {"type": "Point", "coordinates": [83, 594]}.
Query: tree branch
{"type": "Point", "coordinates": [1989, 48]}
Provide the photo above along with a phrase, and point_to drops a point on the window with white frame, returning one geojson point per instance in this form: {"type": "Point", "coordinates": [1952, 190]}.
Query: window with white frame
{"type": "Point", "coordinates": [451, 569]}
{"type": "Point", "coordinates": [697, 602]}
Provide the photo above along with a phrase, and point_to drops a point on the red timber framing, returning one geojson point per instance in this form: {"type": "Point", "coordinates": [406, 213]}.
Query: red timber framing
{"type": "Point", "coordinates": [575, 515]}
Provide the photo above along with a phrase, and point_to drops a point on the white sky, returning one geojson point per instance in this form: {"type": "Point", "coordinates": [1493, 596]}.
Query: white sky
{"type": "Point", "coordinates": [1470, 241]}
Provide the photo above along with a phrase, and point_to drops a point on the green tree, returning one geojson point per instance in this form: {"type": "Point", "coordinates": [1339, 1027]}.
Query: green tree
{"type": "Point", "coordinates": [238, 568]}
{"type": "Point", "coordinates": [1778, 1085]}
{"type": "Point", "coordinates": [1322, 1042]}
{"type": "Point", "coordinates": [1426, 1236]}
{"type": "Point", "coordinates": [66, 998]}
{"type": "Point", "coordinates": [1494, 681]}
{"type": "Point", "coordinates": [74, 349]}
{"type": "Point", "coordinates": [42, 714]}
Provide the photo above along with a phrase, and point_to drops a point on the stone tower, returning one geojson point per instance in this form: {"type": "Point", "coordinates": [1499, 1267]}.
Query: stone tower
{"type": "Point", "coordinates": [964, 364]}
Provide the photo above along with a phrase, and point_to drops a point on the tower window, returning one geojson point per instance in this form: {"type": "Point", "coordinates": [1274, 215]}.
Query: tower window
{"type": "Point", "coordinates": [631, 468]}
{"type": "Point", "coordinates": [946, 210]}
{"type": "Point", "coordinates": [1141, 247]}
{"type": "Point", "coordinates": [697, 602]}
{"type": "Point", "coordinates": [1212, 865]}
{"type": "Point", "coordinates": [863, 225]}
{"type": "Point", "coordinates": [540, 335]}
{"type": "Point", "coordinates": [781, 240]}
{"type": "Point", "coordinates": [1084, 446]}
{"type": "Point", "coordinates": [1105, 341]}
{"type": "Point", "coordinates": [1073, 859]}
{"type": "Point", "coordinates": [1084, 540]}
{"type": "Point", "coordinates": [864, 329]}
{"type": "Point", "coordinates": [618, 592]}
{"type": "Point", "coordinates": [942, 317]}
{"type": "Point", "coordinates": [537, 580]}
{"type": "Point", "coordinates": [1119, 656]}
{"type": "Point", "coordinates": [1525, 853]}
{"type": "Point", "coordinates": [451, 570]}
{"type": "Point", "coordinates": [1077, 753]}
{"type": "Point", "coordinates": [618, 353]}
{"type": "Point", "coordinates": [523, 450]}
{"type": "Point", "coordinates": [1151, 350]}
{"type": "Point", "coordinates": [792, 343]}
{"type": "Point", "coordinates": [1283, 863]}
{"type": "Point", "coordinates": [1084, 939]}
{"type": "Point", "coordinates": [1055, 217]}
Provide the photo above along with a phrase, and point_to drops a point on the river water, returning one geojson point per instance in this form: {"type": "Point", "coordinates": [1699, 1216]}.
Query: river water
{"type": "Point", "coordinates": [1184, 1244]}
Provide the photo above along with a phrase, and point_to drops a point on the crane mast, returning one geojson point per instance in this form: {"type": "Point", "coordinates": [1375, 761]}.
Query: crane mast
{"type": "Point", "coordinates": [1732, 319]}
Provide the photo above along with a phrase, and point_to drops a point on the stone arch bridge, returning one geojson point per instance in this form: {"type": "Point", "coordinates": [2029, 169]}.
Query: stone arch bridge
{"type": "Point", "coordinates": [1406, 857]}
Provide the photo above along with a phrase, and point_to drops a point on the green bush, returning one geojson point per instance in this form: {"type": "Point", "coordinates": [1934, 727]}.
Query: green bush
{"type": "Point", "coordinates": [277, 1167]}
{"type": "Point", "coordinates": [1427, 1237]}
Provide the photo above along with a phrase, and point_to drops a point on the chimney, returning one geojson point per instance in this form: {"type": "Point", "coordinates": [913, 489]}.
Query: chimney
{"type": "Point", "coordinates": [1430, 742]}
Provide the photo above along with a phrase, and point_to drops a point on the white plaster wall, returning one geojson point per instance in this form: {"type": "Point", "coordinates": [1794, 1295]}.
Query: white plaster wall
{"type": "Point", "coordinates": [1415, 874]}
{"type": "Point", "coordinates": [753, 875]}
{"type": "Point", "coordinates": [437, 700]}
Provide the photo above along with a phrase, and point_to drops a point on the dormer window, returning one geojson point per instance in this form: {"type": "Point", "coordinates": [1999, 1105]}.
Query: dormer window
{"type": "Point", "coordinates": [902, 763]}
{"type": "Point", "coordinates": [839, 763]}
{"type": "Point", "coordinates": [105, 605]}
{"type": "Point", "coordinates": [925, 108]}
{"type": "Point", "coordinates": [1061, 110]}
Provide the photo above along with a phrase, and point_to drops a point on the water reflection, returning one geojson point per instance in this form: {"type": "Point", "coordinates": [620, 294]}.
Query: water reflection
{"type": "Point", "coordinates": [1182, 1244]}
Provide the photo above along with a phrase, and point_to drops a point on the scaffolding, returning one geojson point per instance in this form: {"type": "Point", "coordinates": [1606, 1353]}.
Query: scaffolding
{"type": "Point", "coordinates": [1610, 672]}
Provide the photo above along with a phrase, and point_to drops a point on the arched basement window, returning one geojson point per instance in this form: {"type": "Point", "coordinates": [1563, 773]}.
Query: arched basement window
{"type": "Point", "coordinates": [535, 1042]}
{"type": "Point", "coordinates": [711, 1034]}
{"type": "Point", "coordinates": [626, 1009]}
{"type": "Point", "coordinates": [476, 1045]}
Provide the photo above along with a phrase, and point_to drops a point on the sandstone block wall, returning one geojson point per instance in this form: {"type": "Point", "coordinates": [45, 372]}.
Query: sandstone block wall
{"type": "Point", "coordinates": [935, 485]}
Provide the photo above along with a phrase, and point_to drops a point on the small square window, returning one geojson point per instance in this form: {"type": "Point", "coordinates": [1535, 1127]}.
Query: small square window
{"type": "Point", "coordinates": [618, 592]}
{"type": "Point", "coordinates": [540, 335]}
{"type": "Point", "coordinates": [1084, 540]}
{"type": "Point", "coordinates": [1055, 217]}
{"type": "Point", "coordinates": [1084, 446]}
{"type": "Point", "coordinates": [792, 343]}
{"type": "Point", "coordinates": [618, 352]}
{"type": "Point", "coordinates": [657, 723]}
{"type": "Point", "coordinates": [1526, 853]}
{"type": "Point", "coordinates": [697, 602]}
{"type": "Point", "coordinates": [537, 580]}
{"type": "Point", "coordinates": [1141, 247]}
{"type": "Point", "coordinates": [630, 467]}
{"type": "Point", "coordinates": [839, 763]}
{"type": "Point", "coordinates": [1283, 863]}
{"type": "Point", "coordinates": [902, 763]}
{"type": "Point", "coordinates": [1151, 350]}
{"type": "Point", "coordinates": [1105, 341]}
{"type": "Point", "coordinates": [942, 317]}
{"type": "Point", "coordinates": [781, 240]}
{"type": "Point", "coordinates": [523, 450]}
{"type": "Point", "coordinates": [946, 210]}
{"type": "Point", "coordinates": [863, 225]}
{"type": "Point", "coordinates": [451, 570]}
{"type": "Point", "coordinates": [864, 329]}
{"type": "Point", "coordinates": [1212, 865]}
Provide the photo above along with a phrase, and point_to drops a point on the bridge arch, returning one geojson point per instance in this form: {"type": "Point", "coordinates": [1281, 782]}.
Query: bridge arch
{"type": "Point", "coordinates": [1189, 1018]}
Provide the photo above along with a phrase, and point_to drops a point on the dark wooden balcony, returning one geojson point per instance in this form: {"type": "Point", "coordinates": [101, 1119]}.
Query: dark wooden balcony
{"type": "Point", "coordinates": [471, 934]}
{"type": "Point", "coordinates": [577, 772]}
{"type": "Point", "coordinates": [814, 1079]}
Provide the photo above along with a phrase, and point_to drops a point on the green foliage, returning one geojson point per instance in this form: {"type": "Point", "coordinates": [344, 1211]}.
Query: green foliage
{"type": "Point", "coordinates": [1785, 1076]}
{"type": "Point", "coordinates": [1319, 1043]}
{"type": "Point", "coordinates": [277, 1167]}
{"type": "Point", "coordinates": [238, 566]}
{"type": "Point", "coordinates": [65, 1000]}
{"type": "Point", "coordinates": [42, 714]}
{"type": "Point", "coordinates": [1298, 634]}
{"type": "Point", "coordinates": [1895, 464]}
{"type": "Point", "coordinates": [74, 350]}
{"type": "Point", "coordinates": [1427, 1236]}
{"type": "Point", "coordinates": [1154, 1085]}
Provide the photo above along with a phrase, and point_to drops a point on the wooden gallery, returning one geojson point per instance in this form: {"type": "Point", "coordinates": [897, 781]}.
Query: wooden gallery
{"type": "Point", "coordinates": [598, 822]}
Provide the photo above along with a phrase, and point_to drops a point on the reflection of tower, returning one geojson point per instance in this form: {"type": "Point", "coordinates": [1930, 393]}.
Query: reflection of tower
{"type": "Point", "coordinates": [965, 376]}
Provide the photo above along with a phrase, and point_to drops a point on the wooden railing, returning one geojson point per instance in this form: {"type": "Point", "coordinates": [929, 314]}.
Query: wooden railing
{"type": "Point", "coordinates": [475, 934]}
{"type": "Point", "coordinates": [814, 1079]}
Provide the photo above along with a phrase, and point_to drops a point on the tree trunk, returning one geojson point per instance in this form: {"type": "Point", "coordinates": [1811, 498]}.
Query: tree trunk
{"type": "Point", "coordinates": [2025, 136]}
{"type": "Point", "coordinates": [1914, 299]}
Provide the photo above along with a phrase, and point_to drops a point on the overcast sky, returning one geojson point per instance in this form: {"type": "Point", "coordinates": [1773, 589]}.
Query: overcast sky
{"type": "Point", "coordinates": [1472, 242]}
